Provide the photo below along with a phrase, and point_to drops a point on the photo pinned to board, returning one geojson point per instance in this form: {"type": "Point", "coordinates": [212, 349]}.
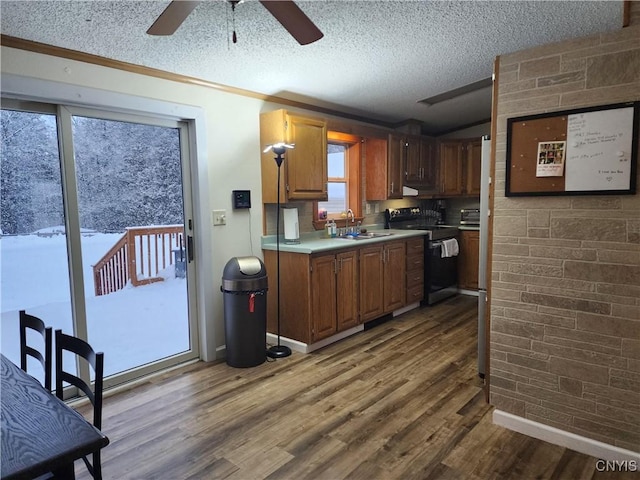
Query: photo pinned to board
{"type": "Point", "coordinates": [551, 157]}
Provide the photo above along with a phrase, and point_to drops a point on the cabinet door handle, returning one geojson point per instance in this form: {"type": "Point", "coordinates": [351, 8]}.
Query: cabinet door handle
{"type": "Point", "coordinates": [335, 266]}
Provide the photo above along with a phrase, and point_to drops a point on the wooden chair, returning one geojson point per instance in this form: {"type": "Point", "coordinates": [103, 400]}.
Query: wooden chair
{"type": "Point", "coordinates": [81, 348]}
{"type": "Point", "coordinates": [34, 323]}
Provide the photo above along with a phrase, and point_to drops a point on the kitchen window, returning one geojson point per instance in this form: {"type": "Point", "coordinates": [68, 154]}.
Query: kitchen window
{"type": "Point", "coordinates": [343, 167]}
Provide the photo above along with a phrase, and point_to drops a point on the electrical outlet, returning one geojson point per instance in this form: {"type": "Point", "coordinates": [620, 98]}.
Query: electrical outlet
{"type": "Point", "coordinates": [219, 217]}
{"type": "Point", "coordinates": [367, 208]}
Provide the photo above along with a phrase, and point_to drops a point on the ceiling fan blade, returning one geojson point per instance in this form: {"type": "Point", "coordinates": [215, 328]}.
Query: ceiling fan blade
{"type": "Point", "coordinates": [172, 17]}
{"type": "Point", "coordinates": [293, 20]}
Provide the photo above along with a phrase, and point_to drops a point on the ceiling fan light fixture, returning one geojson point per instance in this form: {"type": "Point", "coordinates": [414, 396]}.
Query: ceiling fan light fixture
{"type": "Point", "coordinates": [290, 16]}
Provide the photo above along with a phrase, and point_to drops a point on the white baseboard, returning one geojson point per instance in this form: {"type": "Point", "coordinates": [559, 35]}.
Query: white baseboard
{"type": "Point", "coordinates": [221, 352]}
{"type": "Point", "coordinates": [308, 348]}
{"type": "Point", "coordinates": [402, 310]}
{"type": "Point", "coordinates": [472, 293]}
{"type": "Point", "coordinates": [288, 342]}
{"type": "Point", "coordinates": [585, 445]}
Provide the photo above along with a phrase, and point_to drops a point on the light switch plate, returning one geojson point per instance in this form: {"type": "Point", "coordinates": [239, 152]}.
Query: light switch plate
{"type": "Point", "coordinates": [219, 217]}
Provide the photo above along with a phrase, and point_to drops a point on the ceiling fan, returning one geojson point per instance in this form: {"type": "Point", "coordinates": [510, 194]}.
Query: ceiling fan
{"type": "Point", "coordinates": [286, 12]}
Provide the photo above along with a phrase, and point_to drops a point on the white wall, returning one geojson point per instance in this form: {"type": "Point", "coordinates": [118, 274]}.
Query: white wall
{"type": "Point", "coordinates": [229, 159]}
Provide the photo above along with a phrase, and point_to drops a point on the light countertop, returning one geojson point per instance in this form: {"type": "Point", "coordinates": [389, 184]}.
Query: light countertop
{"type": "Point", "coordinates": [315, 242]}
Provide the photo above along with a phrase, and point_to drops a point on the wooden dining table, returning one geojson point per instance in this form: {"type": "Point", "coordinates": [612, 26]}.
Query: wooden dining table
{"type": "Point", "coordinates": [40, 433]}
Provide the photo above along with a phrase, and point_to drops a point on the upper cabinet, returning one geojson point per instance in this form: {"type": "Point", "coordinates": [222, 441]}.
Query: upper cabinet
{"type": "Point", "coordinates": [303, 173]}
{"type": "Point", "coordinates": [474, 166]}
{"type": "Point", "coordinates": [451, 155]}
{"type": "Point", "coordinates": [395, 166]}
{"type": "Point", "coordinates": [383, 170]}
{"type": "Point", "coordinates": [400, 160]}
{"type": "Point", "coordinates": [421, 164]}
{"type": "Point", "coordinates": [460, 162]}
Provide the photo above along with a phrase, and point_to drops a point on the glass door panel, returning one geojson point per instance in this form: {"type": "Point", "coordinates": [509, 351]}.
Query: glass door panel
{"type": "Point", "coordinates": [130, 206]}
{"type": "Point", "coordinates": [34, 272]}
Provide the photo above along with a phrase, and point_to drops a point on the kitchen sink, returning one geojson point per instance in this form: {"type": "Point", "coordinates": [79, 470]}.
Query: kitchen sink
{"type": "Point", "coordinates": [366, 236]}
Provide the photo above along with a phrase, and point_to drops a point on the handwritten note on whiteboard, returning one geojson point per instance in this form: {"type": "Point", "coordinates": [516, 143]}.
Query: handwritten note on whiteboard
{"type": "Point", "coordinates": [599, 150]}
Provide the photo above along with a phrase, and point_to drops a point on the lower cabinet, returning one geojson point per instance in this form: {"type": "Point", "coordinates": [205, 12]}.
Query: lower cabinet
{"type": "Point", "coordinates": [334, 294]}
{"type": "Point", "coordinates": [382, 279]}
{"type": "Point", "coordinates": [468, 259]}
{"type": "Point", "coordinates": [322, 294]}
{"type": "Point", "coordinates": [394, 275]}
{"type": "Point", "coordinates": [415, 270]}
{"type": "Point", "coordinates": [371, 283]}
{"type": "Point", "coordinates": [318, 297]}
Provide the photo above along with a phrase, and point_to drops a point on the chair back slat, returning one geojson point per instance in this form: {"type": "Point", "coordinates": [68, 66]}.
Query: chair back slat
{"type": "Point", "coordinates": [31, 322]}
{"type": "Point", "coordinates": [82, 349]}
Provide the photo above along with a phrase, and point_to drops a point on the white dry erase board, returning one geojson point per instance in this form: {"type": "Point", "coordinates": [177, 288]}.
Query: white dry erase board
{"type": "Point", "coordinates": [586, 151]}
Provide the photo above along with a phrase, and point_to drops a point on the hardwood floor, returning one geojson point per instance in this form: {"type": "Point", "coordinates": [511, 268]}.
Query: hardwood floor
{"type": "Point", "coordinates": [399, 401]}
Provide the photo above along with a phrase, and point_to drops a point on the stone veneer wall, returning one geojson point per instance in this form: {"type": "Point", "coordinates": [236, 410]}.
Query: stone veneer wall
{"type": "Point", "coordinates": [565, 316]}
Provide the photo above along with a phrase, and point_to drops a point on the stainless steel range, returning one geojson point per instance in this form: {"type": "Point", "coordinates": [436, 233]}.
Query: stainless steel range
{"type": "Point", "coordinates": [440, 252]}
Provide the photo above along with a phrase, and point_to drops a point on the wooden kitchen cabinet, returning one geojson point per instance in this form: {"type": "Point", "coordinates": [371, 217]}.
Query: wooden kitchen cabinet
{"type": "Point", "coordinates": [347, 290]}
{"type": "Point", "coordinates": [323, 294]}
{"type": "Point", "coordinates": [318, 297]}
{"type": "Point", "coordinates": [415, 270]}
{"type": "Point", "coordinates": [382, 279]}
{"type": "Point", "coordinates": [421, 164]}
{"type": "Point", "coordinates": [371, 283]}
{"type": "Point", "coordinates": [334, 294]}
{"type": "Point", "coordinates": [394, 274]}
{"type": "Point", "coordinates": [375, 159]}
{"type": "Point", "coordinates": [460, 163]}
{"type": "Point", "coordinates": [473, 167]}
{"type": "Point", "coordinates": [468, 258]}
{"type": "Point", "coordinates": [323, 297]}
{"type": "Point", "coordinates": [395, 166]}
{"type": "Point", "coordinates": [384, 167]}
{"type": "Point", "coordinates": [303, 174]}
{"type": "Point", "coordinates": [412, 161]}
{"type": "Point", "coordinates": [451, 155]}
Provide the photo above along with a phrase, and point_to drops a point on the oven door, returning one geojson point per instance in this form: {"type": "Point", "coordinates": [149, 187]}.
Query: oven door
{"type": "Point", "coordinates": [441, 274]}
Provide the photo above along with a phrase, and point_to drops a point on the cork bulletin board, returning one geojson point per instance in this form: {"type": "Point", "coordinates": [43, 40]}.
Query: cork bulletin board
{"type": "Point", "coordinates": [586, 151]}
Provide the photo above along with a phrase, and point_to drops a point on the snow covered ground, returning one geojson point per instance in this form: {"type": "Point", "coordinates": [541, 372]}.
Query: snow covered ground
{"type": "Point", "coordinates": [133, 326]}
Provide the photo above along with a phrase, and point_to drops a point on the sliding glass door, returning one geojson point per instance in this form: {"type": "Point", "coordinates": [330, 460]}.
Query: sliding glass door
{"type": "Point", "coordinates": [123, 236]}
{"type": "Point", "coordinates": [34, 272]}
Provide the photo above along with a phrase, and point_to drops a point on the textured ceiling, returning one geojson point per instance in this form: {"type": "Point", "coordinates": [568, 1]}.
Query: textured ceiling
{"type": "Point", "coordinates": [377, 58]}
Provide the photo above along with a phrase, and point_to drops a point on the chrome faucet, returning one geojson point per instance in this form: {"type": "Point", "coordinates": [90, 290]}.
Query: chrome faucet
{"type": "Point", "coordinates": [346, 223]}
{"type": "Point", "coordinates": [353, 218]}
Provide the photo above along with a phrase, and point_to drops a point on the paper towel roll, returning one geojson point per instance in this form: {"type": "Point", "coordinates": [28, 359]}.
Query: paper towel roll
{"type": "Point", "coordinates": [291, 230]}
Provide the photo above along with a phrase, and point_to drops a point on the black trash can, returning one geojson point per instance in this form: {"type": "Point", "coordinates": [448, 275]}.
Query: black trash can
{"type": "Point", "coordinates": [244, 285]}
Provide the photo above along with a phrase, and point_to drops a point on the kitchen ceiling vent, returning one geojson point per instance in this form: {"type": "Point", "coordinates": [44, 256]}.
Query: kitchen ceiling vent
{"type": "Point", "coordinates": [457, 92]}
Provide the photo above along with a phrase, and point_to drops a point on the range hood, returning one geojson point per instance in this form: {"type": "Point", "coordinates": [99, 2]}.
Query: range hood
{"type": "Point", "coordinates": [409, 192]}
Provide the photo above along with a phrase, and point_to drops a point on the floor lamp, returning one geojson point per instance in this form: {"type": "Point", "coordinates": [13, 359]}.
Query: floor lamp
{"type": "Point", "coordinates": [278, 351]}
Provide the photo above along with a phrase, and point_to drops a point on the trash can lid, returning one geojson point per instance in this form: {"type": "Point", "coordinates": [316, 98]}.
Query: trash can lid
{"type": "Point", "coordinates": [244, 268]}
{"type": "Point", "coordinates": [244, 274]}
{"type": "Point", "coordinates": [249, 265]}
